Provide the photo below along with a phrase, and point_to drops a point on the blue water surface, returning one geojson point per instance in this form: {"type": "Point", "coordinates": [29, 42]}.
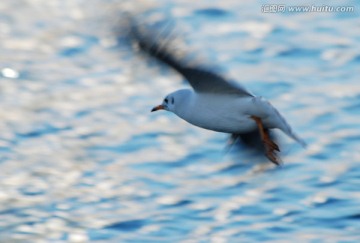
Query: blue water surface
{"type": "Point", "coordinates": [84, 160]}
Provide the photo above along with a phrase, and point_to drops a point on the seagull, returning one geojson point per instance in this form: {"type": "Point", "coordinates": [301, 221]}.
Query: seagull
{"type": "Point", "coordinates": [215, 102]}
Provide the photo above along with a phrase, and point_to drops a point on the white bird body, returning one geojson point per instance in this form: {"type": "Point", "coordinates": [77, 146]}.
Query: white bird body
{"type": "Point", "coordinates": [207, 110]}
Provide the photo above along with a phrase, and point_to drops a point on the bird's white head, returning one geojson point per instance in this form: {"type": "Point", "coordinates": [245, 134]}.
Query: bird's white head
{"type": "Point", "coordinates": [173, 101]}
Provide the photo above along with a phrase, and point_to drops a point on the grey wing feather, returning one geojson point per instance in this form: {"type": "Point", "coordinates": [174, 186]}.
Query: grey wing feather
{"type": "Point", "coordinates": [202, 80]}
{"type": "Point", "coordinates": [252, 140]}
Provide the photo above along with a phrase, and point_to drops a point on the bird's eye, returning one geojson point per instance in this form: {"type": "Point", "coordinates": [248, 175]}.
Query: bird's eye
{"type": "Point", "coordinates": [166, 100]}
{"type": "Point", "coordinates": [172, 100]}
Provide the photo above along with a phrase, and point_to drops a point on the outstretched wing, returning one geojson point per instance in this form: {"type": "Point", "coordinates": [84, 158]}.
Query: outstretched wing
{"type": "Point", "coordinates": [201, 79]}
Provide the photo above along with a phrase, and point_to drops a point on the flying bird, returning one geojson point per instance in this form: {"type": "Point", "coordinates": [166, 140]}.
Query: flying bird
{"type": "Point", "coordinates": [215, 102]}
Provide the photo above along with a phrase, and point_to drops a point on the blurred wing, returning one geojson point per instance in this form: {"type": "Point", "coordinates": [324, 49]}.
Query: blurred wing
{"type": "Point", "coordinates": [202, 80]}
{"type": "Point", "coordinates": [252, 140]}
